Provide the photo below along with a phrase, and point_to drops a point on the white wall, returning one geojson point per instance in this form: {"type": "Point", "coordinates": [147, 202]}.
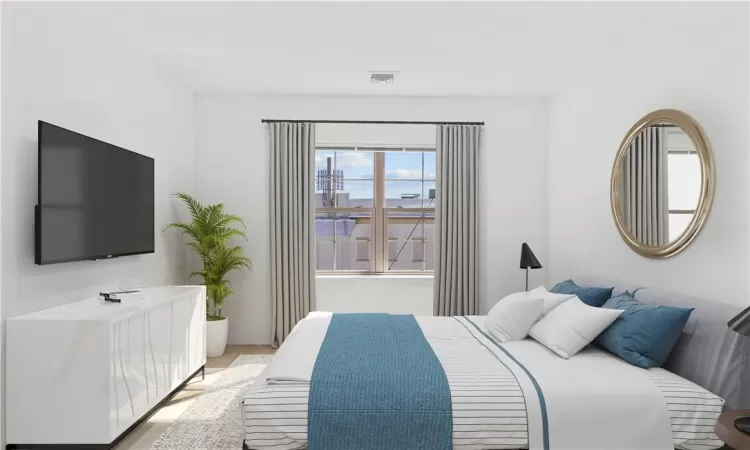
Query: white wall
{"type": "Point", "coordinates": [696, 62]}
{"type": "Point", "coordinates": [375, 134]}
{"type": "Point", "coordinates": [52, 73]}
{"type": "Point", "coordinates": [232, 165]}
{"type": "Point", "coordinates": [2, 322]}
{"type": "Point", "coordinates": [72, 80]}
{"type": "Point", "coordinates": [392, 294]}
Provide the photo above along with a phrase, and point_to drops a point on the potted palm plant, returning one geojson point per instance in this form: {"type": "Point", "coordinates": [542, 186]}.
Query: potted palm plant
{"type": "Point", "coordinates": [209, 234]}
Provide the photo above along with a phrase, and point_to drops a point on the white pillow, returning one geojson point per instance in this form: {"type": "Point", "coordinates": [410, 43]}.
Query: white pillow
{"type": "Point", "coordinates": [572, 326]}
{"type": "Point", "coordinates": [551, 300]}
{"type": "Point", "coordinates": [513, 316]}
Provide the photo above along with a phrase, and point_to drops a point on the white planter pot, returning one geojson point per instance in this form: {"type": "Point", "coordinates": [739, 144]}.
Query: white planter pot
{"type": "Point", "coordinates": [216, 337]}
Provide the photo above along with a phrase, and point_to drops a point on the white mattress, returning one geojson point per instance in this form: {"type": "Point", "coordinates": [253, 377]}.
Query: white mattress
{"type": "Point", "coordinates": [489, 408]}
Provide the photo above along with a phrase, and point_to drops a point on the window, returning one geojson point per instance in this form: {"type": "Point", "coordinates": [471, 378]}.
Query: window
{"type": "Point", "coordinates": [418, 247]}
{"type": "Point", "coordinates": [363, 249]}
{"type": "Point", "coordinates": [375, 209]}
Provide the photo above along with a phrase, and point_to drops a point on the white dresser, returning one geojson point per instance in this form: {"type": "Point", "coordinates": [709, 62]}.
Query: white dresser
{"type": "Point", "coordinates": [85, 372]}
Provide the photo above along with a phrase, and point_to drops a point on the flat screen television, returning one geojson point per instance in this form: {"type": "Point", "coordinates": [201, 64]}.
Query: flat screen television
{"type": "Point", "coordinates": [96, 200]}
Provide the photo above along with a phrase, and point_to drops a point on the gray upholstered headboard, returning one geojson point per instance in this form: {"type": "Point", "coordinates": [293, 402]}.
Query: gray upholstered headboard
{"type": "Point", "coordinates": [708, 353]}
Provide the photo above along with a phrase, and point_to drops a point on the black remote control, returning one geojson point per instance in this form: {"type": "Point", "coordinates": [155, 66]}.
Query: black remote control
{"type": "Point", "coordinates": [109, 297]}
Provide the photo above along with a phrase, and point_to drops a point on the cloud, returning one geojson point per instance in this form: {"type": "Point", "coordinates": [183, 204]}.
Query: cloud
{"type": "Point", "coordinates": [404, 174]}
{"type": "Point", "coordinates": [345, 159]}
{"type": "Point", "coordinates": [407, 174]}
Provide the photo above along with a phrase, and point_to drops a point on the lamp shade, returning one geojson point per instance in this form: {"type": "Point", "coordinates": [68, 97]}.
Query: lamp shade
{"type": "Point", "coordinates": [741, 323]}
{"type": "Point", "coordinates": [528, 260]}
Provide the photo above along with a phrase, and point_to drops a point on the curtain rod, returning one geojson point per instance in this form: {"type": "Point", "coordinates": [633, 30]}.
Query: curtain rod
{"type": "Point", "coordinates": [380, 122]}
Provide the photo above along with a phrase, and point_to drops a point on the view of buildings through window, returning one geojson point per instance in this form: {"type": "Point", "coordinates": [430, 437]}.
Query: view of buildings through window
{"type": "Point", "coordinates": [375, 209]}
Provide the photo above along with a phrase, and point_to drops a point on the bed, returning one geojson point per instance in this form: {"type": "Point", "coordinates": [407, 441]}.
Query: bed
{"type": "Point", "coordinates": [519, 395]}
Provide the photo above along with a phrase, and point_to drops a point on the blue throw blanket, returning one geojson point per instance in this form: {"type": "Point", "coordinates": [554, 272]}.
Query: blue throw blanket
{"type": "Point", "coordinates": [377, 385]}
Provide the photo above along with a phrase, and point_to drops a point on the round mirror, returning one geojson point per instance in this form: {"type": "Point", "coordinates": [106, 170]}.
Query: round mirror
{"type": "Point", "coordinates": [662, 183]}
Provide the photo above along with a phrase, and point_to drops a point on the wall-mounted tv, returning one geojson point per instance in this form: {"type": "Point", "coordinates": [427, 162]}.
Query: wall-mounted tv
{"type": "Point", "coordinates": [96, 200]}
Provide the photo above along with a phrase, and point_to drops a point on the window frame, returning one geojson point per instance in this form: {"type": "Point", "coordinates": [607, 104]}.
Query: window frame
{"type": "Point", "coordinates": [378, 217]}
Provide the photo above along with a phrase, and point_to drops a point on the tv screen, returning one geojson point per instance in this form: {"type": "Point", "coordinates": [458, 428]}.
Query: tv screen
{"type": "Point", "coordinates": [96, 200]}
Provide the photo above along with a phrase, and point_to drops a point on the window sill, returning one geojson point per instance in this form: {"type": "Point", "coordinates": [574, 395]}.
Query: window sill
{"type": "Point", "coordinates": [374, 275]}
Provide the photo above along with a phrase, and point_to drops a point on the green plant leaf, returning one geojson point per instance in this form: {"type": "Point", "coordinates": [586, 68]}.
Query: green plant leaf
{"type": "Point", "coordinates": [209, 233]}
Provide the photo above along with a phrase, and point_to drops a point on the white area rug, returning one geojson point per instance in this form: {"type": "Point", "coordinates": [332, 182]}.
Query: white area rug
{"type": "Point", "coordinates": [213, 421]}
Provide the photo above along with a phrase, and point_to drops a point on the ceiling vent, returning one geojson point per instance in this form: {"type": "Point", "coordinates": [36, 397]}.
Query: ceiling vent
{"type": "Point", "coordinates": [382, 77]}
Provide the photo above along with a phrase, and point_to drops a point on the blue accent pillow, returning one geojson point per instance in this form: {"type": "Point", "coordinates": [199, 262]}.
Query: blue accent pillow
{"type": "Point", "coordinates": [592, 296]}
{"type": "Point", "coordinates": [643, 335]}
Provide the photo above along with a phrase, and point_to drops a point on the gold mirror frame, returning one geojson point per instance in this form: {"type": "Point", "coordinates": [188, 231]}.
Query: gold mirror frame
{"type": "Point", "coordinates": [708, 182]}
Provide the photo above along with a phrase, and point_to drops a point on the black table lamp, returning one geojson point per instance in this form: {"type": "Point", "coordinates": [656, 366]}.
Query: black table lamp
{"type": "Point", "coordinates": [741, 324]}
{"type": "Point", "coordinates": [528, 261]}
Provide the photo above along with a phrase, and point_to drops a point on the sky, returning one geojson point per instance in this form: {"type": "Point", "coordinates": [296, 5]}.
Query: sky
{"type": "Point", "coordinates": [405, 172]}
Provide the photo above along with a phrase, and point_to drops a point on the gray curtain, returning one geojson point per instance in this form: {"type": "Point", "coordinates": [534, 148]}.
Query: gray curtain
{"type": "Point", "coordinates": [292, 225]}
{"type": "Point", "coordinates": [645, 200]}
{"type": "Point", "coordinates": [456, 221]}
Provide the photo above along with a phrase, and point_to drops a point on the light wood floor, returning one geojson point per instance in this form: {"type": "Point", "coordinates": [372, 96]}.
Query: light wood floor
{"type": "Point", "coordinates": [142, 437]}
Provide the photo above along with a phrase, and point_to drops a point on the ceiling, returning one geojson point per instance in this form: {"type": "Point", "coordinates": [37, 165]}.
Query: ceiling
{"type": "Point", "coordinates": [438, 48]}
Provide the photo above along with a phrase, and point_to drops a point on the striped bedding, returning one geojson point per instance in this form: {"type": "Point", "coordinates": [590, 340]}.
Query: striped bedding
{"type": "Point", "coordinates": [489, 408]}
